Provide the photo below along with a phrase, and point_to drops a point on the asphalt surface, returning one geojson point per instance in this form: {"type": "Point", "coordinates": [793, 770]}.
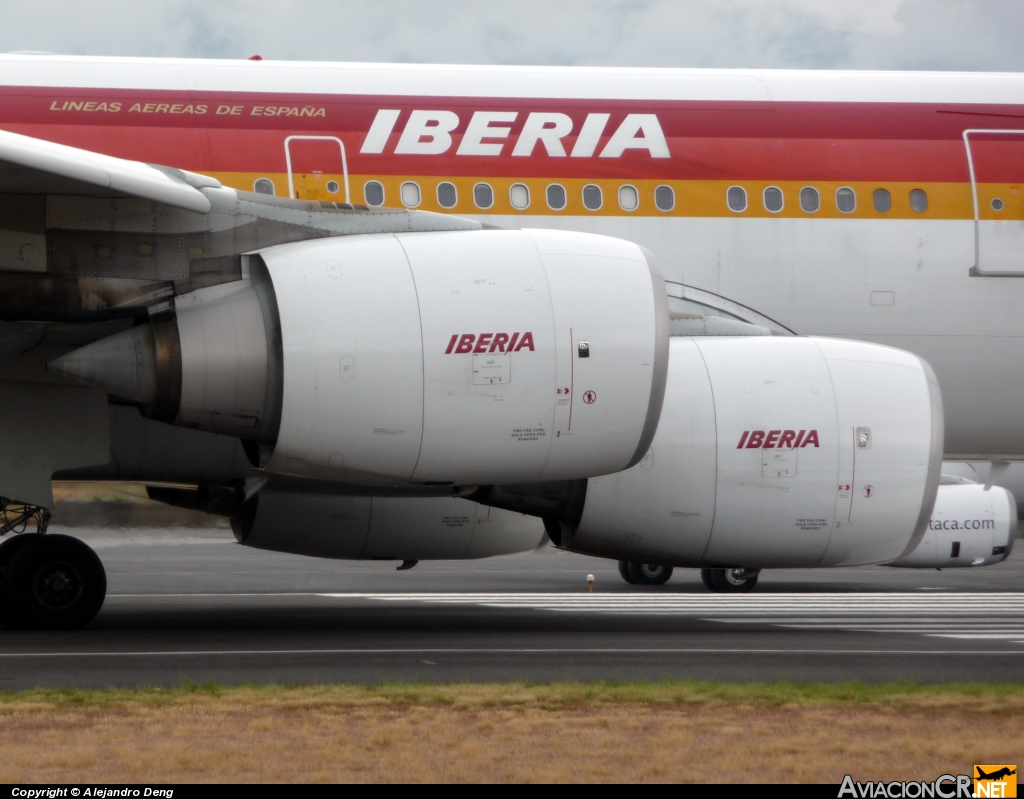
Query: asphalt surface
{"type": "Point", "coordinates": [194, 605]}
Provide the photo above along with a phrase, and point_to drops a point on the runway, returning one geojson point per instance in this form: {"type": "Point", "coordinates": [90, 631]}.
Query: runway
{"type": "Point", "coordinates": [193, 605]}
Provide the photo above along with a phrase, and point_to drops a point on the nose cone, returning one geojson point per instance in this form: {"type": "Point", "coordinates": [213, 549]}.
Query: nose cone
{"type": "Point", "coordinates": [124, 364]}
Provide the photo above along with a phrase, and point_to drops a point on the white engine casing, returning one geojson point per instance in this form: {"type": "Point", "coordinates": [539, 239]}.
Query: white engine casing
{"type": "Point", "coordinates": [712, 492]}
{"type": "Point", "coordinates": [970, 526]}
{"type": "Point", "coordinates": [393, 369]}
{"type": "Point", "coordinates": [386, 528]}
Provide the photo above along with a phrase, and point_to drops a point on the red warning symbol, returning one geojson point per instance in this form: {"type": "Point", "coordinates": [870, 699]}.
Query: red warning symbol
{"type": "Point", "coordinates": [589, 397]}
{"type": "Point", "coordinates": [869, 491]}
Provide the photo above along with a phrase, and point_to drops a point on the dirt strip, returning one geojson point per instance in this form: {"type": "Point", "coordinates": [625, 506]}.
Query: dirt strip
{"type": "Point", "coordinates": [688, 732]}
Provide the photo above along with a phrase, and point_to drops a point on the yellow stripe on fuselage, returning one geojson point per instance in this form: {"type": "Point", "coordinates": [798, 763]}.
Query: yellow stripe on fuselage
{"type": "Point", "coordinates": [693, 198]}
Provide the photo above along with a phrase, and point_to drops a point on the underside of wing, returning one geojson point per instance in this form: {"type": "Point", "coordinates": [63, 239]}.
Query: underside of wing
{"type": "Point", "coordinates": [34, 166]}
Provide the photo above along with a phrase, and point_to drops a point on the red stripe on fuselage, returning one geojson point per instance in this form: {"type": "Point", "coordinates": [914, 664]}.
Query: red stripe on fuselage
{"type": "Point", "coordinates": [708, 140]}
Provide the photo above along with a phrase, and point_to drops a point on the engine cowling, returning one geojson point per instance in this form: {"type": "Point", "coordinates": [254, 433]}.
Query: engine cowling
{"type": "Point", "coordinates": [383, 528]}
{"type": "Point", "coordinates": [970, 526]}
{"type": "Point", "coordinates": [776, 452]}
{"type": "Point", "coordinates": [454, 357]}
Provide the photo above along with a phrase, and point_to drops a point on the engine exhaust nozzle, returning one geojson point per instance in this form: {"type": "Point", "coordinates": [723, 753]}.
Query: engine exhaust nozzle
{"type": "Point", "coordinates": [141, 365]}
{"type": "Point", "coordinates": [209, 365]}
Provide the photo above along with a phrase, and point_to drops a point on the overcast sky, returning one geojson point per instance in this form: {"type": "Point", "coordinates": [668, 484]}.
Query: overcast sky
{"type": "Point", "coordinates": [832, 34]}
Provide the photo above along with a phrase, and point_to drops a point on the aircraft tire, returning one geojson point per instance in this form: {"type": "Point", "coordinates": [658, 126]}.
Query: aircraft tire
{"type": "Point", "coordinates": [53, 582]}
{"type": "Point", "coordinates": [649, 573]}
{"type": "Point", "coordinates": [624, 571]}
{"type": "Point", "coordinates": [728, 581]}
{"type": "Point", "coordinates": [7, 550]}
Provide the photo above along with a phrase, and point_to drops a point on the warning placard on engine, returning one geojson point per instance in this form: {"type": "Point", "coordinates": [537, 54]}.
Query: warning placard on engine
{"type": "Point", "coordinates": [528, 433]}
{"type": "Point", "coordinates": [455, 521]}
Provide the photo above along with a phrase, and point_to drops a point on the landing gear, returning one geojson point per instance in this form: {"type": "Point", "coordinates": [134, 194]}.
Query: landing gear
{"type": "Point", "coordinates": [729, 580]}
{"type": "Point", "coordinates": [644, 573]}
{"type": "Point", "coordinates": [7, 550]}
{"type": "Point", "coordinates": [49, 582]}
{"type": "Point", "coordinates": [15, 516]}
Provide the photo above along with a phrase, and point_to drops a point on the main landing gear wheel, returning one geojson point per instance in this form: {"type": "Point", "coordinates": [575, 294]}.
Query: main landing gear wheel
{"type": "Point", "coordinates": [644, 573]}
{"type": "Point", "coordinates": [7, 550]}
{"type": "Point", "coordinates": [51, 582]}
{"type": "Point", "coordinates": [730, 580]}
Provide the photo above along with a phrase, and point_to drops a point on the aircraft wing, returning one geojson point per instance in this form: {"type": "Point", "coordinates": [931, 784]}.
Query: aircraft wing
{"type": "Point", "coordinates": [34, 166]}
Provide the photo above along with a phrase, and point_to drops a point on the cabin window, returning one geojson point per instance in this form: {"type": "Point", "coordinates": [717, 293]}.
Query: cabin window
{"type": "Point", "coordinates": [997, 204]}
{"type": "Point", "coordinates": [519, 196]}
{"type": "Point", "coordinates": [809, 199]}
{"type": "Point", "coordinates": [592, 199]}
{"type": "Point", "coordinates": [556, 197]}
{"type": "Point", "coordinates": [883, 202]}
{"type": "Point", "coordinates": [773, 199]}
{"type": "Point", "coordinates": [736, 197]}
{"type": "Point", "coordinates": [664, 198]}
{"type": "Point", "coordinates": [918, 200]}
{"type": "Point", "coordinates": [332, 186]}
{"type": "Point", "coordinates": [410, 194]}
{"type": "Point", "coordinates": [373, 193]}
{"type": "Point", "coordinates": [483, 195]}
{"type": "Point", "coordinates": [264, 186]}
{"type": "Point", "coordinates": [628, 198]}
{"type": "Point", "coordinates": [846, 200]}
{"type": "Point", "coordinates": [446, 195]}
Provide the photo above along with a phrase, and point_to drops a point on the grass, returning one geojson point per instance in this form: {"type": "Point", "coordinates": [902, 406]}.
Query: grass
{"type": "Point", "coordinates": [631, 731]}
{"type": "Point", "coordinates": [975, 698]}
{"type": "Point", "coordinates": [98, 491]}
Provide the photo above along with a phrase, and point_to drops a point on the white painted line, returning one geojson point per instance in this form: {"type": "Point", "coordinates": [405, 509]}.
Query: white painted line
{"type": "Point", "coordinates": [756, 600]}
{"type": "Point", "coordinates": [513, 651]}
{"type": "Point", "coordinates": [218, 594]}
{"type": "Point", "coordinates": [966, 616]}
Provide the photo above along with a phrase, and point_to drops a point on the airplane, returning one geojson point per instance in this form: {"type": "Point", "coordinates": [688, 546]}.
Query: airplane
{"type": "Point", "coordinates": [995, 775]}
{"type": "Point", "coordinates": [721, 319]}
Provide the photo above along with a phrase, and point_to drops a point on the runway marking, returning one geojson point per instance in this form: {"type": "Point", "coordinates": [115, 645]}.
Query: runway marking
{"type": "Point", "coordinates": [514, 651]}
{"type": "Point", "coordinates": [974, 616]}
{"type": "Point", "coordinates": [758, 599]}
{"type": "Point", "coordinates": [961, 616]}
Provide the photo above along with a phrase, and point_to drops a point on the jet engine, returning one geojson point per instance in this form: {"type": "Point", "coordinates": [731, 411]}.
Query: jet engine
{"type": "Point", "coordinates": [970, 526]}
{"type": "Point", "coordinates": [459, 357]}
{"type": "Point", "coordinates": [771, 452]}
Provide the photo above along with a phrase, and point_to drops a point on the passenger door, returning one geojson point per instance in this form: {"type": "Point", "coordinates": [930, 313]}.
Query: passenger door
{"type": "Point", "coordinates": [317, 168]}
{"type": "Point", "coordinates": [995, 159]}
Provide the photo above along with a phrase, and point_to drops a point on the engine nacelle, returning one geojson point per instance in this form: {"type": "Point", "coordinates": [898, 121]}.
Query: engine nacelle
{"type": "Point", "coordinates": [454, 357]}
{"type": "Point", "coordinates": [383, 528]}
{"type": "Point", "coordinates": [776, 452]}
{"type": "Point", "coordinates": [970, 526]}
